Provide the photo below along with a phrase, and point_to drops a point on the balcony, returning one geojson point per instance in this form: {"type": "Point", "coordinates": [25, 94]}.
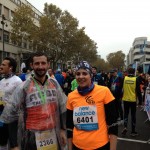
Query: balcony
{"type": "Point", "coordinates": [137, 57]}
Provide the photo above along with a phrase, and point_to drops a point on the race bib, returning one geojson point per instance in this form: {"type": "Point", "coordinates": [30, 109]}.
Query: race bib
{"type": "Point", "coordinates": [95, 82]}
{"type": "Point", "coordinates": [113, 87]}
{"type": "Point", "coordinates": [85, 118]}
{"type": "Point", "coordinates": [2, 97]}
{"type": "Point", "coordinates": [46, 140]}
{"type": "Point", "coordinates": [66, 85]}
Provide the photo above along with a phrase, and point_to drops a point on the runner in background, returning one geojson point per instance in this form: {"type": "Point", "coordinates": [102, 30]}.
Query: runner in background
{"type": "Point", "coordinates": [140, 81]}
{"type": "Point", "coordinates": [74, 85]}
{"type": "Point", "coordinates": [64, 73]}
{"type": "Point", "coordinates": [7, 86]}
{"type": "Point", "coordinates": [116, 89]}
{"type": "Point", "coordinates": [60, 78]}
{"type": "Point", "coordinates": [23, 75]}
{"type": "Point", "coordinates": [67, 84]}
{"type": "Point", "coordinates": [130, 89]}
{"type": "Point", "coordinates": [96, 78]}
{"type": "Point", "coordinates": [51, 73]}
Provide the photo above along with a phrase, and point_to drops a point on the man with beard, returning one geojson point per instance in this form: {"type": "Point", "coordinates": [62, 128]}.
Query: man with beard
{"type": "Point", "coordinates": [43, 104]}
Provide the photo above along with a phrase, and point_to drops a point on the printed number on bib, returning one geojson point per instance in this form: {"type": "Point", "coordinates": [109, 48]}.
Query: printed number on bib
{"type": "Point", "coordinates": [85, 118]}
{"type": "Point", "coordinates": [46, 140]}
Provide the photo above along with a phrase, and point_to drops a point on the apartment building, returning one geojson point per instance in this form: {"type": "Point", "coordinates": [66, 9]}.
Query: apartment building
{"type": "Point", "coordinates": [21, 51]}
{"type": "Point", "coordinates": [139, 52]}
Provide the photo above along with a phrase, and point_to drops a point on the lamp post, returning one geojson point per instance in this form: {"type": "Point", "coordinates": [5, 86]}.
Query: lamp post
{"type": "Point", "coordinates": [3, 24]}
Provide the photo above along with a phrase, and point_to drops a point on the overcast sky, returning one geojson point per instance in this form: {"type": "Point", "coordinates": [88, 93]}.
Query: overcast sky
{"type": "Point", "coordinates": [112, 24]}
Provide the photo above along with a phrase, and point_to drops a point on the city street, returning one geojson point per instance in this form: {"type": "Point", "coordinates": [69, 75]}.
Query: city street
{"type": "Point", "coordinates": [139, 142]}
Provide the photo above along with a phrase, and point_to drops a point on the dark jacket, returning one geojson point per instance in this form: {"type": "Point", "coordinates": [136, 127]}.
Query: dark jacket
{"type": "Point", "coordinates": [97, 78]}
{"type": "Point", "coordinates": [117, 81]}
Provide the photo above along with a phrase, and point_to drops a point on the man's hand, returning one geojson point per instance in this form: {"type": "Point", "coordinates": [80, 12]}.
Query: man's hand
{"type": "Point", "coordinates": [63, 137]}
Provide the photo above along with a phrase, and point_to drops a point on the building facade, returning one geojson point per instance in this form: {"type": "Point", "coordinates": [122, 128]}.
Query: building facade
{"type": "Point", "coordinates": [139, 52]}
{"type": "Point", "coordinates": [18, 51]}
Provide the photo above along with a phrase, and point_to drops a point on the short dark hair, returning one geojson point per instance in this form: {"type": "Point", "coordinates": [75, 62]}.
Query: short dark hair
{"type": "Point", "coordinates": [24, 70]}
{"type": "Point", "coordinates": [12, 63]}
{"type": "Point", "coordinates": [51, 70]}
{"type": "Point", "coordinates": [131, 70]}
{"type": "Point", "coordinates": [94, 67]}
{"type": "Point", "coordinates": [38, 54]}
{"type": "Point", "coordinates": [115, 70]}
{"type": "Point", "coordinates": [140, 69]}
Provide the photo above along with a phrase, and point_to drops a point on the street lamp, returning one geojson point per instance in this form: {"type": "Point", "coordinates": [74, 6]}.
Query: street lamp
{"type": "Point", "coordinates": [3, 24]}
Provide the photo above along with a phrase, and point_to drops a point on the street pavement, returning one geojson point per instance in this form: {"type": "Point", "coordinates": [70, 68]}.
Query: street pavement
{"type": "Point", "coordinates": [139, 142]}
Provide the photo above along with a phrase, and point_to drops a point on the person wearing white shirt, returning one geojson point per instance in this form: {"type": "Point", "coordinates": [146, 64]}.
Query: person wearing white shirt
{"type": "Point", "coordinates": [7, 85]}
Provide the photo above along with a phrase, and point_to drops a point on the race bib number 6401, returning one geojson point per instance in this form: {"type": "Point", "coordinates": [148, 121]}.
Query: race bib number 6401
{"type": "Point", "coordinates": [85, 118]}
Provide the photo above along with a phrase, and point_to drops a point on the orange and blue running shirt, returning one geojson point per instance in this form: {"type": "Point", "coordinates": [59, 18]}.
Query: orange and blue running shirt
{"type": "Point", "coordinates": [90, 128]}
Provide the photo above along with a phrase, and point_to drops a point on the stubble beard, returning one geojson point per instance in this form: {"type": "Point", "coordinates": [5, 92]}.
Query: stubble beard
{"type": "Point", "coordinates": [40, 75]}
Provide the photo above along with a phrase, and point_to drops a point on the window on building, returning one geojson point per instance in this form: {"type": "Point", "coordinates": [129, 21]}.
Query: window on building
{"type": "Point", "coordinates": [6, 54]}
{"type": "Point", "coordinates": [12, 15]}
{"type": "Point", "coordinates": [36, 15]}
{"type": "Point", "coordinates": [14, 43]}
{"type": "Point", "coordinates": [0, 35]}
{"type": "Point", "coordinates": [148, 46]}
{"type": "Point", "coordinates": [147, 59]}
{"type": "Point", "coordinates": [24, 44]}
{"type": "Point", "coordinates": [136, 53]}
{"type": "Point", "coordinates": [19, 44]}
{"type": "Point", "coordinates": [147, 52]}
{"type": "Point", "coordinates": [6, 12]}
{"type": "Point", "coordinates": [30, 45]}
{"type": "Point", "coordinates": [0, 9]}
{"type": "Point", "coordinates": [33, 13]}
{"type": "Point", "coordinates": [22, 4]}
{"type": "Point", "coordinates": [6, 36]}
{"type": "Point", "coordinates": [18, 2]}
{"type": "Point", "coordinates": [137, 46]}
{"type": "Point", "coordinates": [136, 60]}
